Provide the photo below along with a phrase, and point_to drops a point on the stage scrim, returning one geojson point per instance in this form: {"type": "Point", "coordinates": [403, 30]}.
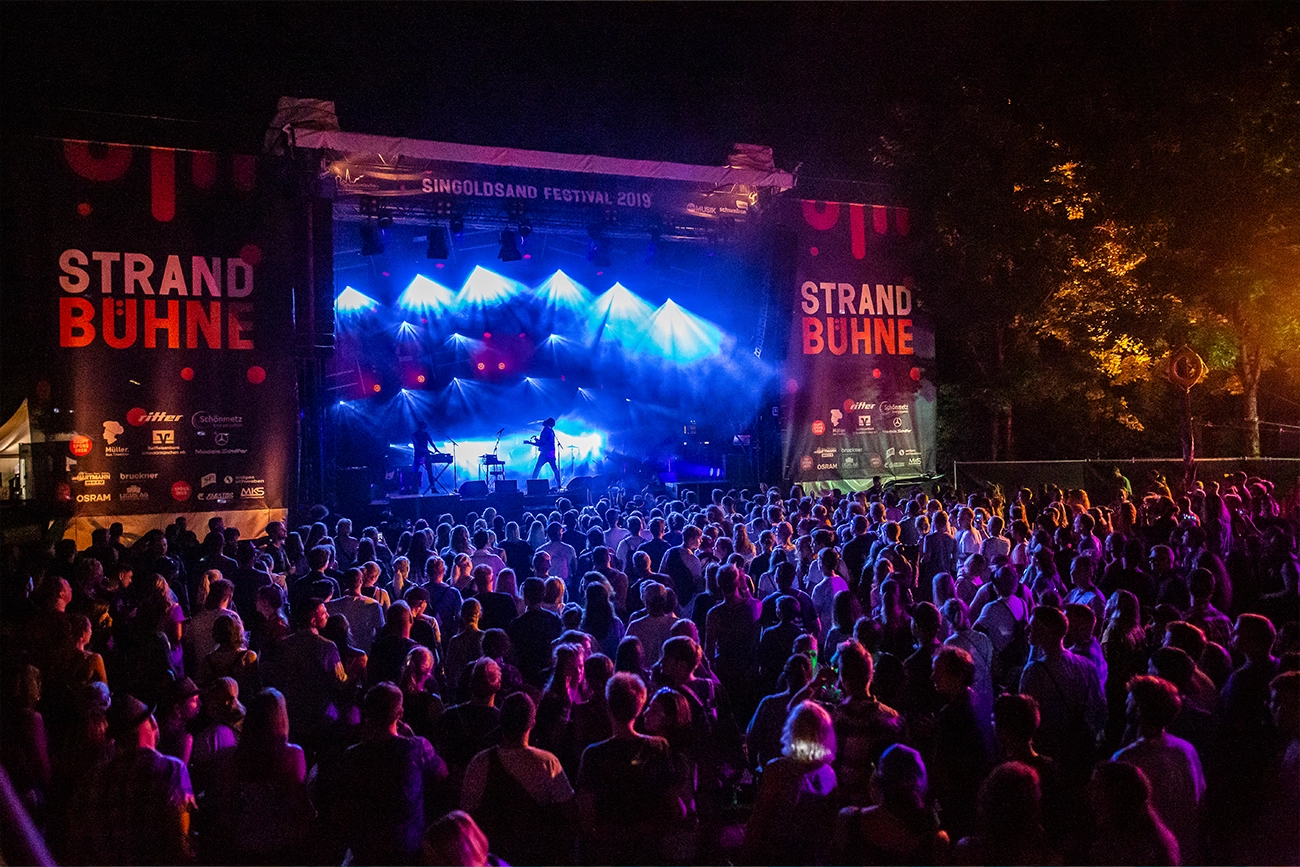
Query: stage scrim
{"type": "Point", "coordinates": [859, 400]}
{"type": "Point", "coordinates": [163, 376]}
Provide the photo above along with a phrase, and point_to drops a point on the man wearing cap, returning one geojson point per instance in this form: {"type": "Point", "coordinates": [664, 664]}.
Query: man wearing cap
{"type": "Point", "coordinates": [135, 809]}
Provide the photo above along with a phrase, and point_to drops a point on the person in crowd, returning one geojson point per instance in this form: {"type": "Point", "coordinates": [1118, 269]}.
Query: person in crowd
{"type": "Point", "coordinates": [598, 618]}
{"type": "Point", "coordinates": [136, 807]}
{"type": "Point", "coordinates": [1011, 831]}
{"type": "Point", "coordinates": [785, 586]}
{"type": "Point", "coordinates": [962, 741]}
{"type": "Point", "coordinates": [679, 563]}
{"type": "Point", "coordinates": [365, 615]}
{"type": "Point", "coordinates": [519, 793]}
{"type": "Point", "coordinates": [764, 732]}
{"type": "Point", "coordinates": [533, 632]}
{"type": "Point", "coordinates": [626, 791]}
{"type": "Point", "coordinates": [961, 634]}
{"type": "Point", "coordinates": [900, 826]}
{"type": "Point", "coordinates": [421, 709]}
{"type": "Point", "coordinates": [731, 636]}
{"type": "Point", "coordinates": [384, 784]}
{"type": "Point", "coordinates": [794, 811]}
{"type": "Point", "coordinates": [198, 632]}
{"type": "Point", "coordinates": [472, 726]}
{"type": "Point", "coordinates": [864, 726]}
{"type": "Point", "coordinates": [1169, 763]}
{"type": "Point", "coordinates": [1128, 829]}
{"type": "Point", "coordinates": [308, 671]}
{"type": "Point", "coordinates": [654, 624]}
{"type": "Point", "coordinates": [1068, 691]}
{"type": "Point", "coordinates": [498, 609]}
{"type": "Point", "coordinates": [392, 646]}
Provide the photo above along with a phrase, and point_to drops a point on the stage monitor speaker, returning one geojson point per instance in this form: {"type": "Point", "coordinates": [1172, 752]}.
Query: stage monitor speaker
{"type": "Point", "coordinates": [507, 486]}
{"type": "Point", "coordinates": [538, 488]}
{"type": "Point", "coordinates": [474, 490]}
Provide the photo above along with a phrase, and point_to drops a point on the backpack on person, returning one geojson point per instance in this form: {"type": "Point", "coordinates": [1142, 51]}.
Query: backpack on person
{"type": "Point", "coordinates": [1008, 662]}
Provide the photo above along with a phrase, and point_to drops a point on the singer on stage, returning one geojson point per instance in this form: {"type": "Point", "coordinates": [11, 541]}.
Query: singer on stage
{"type": "Point", "coordinates": [545, 442]}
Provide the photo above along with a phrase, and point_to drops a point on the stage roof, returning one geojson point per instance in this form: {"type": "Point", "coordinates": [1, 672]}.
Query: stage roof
{"type": "Point", "coordinates": [390, 149]}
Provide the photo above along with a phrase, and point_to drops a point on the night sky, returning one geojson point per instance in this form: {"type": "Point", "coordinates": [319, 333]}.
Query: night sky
{"type": "Point", "coordinates": [658, 81]}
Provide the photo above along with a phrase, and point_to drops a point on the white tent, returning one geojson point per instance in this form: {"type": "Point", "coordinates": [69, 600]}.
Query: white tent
{"type": "Point", "coordinates": [15, 432]}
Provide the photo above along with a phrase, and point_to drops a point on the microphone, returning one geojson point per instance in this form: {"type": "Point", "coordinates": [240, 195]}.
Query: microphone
{"type": "Point", "coordinates": [503, 430]}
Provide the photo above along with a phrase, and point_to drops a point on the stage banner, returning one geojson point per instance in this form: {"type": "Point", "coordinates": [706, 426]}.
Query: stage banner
{"type": "Point", "coordinates": [858, 399]}
{"type": "Point", "coordinates": [158, 295]}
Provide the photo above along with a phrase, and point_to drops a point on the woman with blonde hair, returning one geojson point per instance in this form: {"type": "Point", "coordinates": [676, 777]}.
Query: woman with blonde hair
{"type": "Point", "coordinates": [794, 811]}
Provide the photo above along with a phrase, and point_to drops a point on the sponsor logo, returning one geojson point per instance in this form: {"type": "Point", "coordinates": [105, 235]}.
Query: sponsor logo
{"type": "Point", "coordinates": [818, 428]}
{"type": "Point", "coordinates": [864, 421]}
{"type": "Point", "coordinates": [836, 417]}
{"type": "Point", "coordinates": [252, 491]}
{"type": "Point", "coordinates": [831, 466]}
{"type": "Point", "coordinates": [134, 494]}
{"type": "Point", "coordinates": [851, 405]}
{"type": "Point", "coordinates": [94, 498]}
{"type": "Point", "coordinates": [850, 450]}
{"type": "Point", "coordinates": [116, 451]}
{"type": "Point", "coordinates": [136, 477]}
{"type": "Point", "coordinates": [63, 492]}
{"type": "Point", "coordinates": [203, 419]}
{"type": "Point", "coordinates": [221, 438]}
{"type": "Point", "coordinates": [245, 480]}
{"type": "Point", "coordinates": [824, 452]}
{"type": "Point", "coordinates": [138, 416]}
{"type": "Point", "coordinates": [218, 496]}
{"type": "Point", "coordinates": [92, 480]}
{"type": "Point", "coordinates": [848, 461]}
{"type": "Point", "coordinates": [876, 461]}
{"type": "Point", "coordinates": [81, 445]}
{"type": "Point", "coordinates": [806, 462]}
{"type": "Point", "coordinates": [181, 491]}
{"type": "Point", "coordinates": [894, 408]}
{"type": "Point", "coordinates": [163, 437]}
{"type": "Point", "coordinates": [112, 430]}
{"type": "Point", "coordinates": [226, 451]}
{"type": "Point", "coordinates": [209, 479]}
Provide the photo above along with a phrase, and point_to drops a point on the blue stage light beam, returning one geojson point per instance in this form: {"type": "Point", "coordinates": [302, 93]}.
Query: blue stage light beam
{"type": "Point", "coordinates": [484, 288]}
{"type": "Point", "coordinates": [560, 291]}
{"type": "Point", "coordinates": [681, 336]}
{"type": "Point", "coordinates": [350, 302]}
{"type": "Point", "coordinates": [426, 296]}
{"type": "Point", "coordinates": [620, 313]}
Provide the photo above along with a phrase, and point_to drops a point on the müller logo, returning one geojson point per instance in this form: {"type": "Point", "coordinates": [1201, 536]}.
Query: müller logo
{"type": "Point", "coordinates": [137, 416]}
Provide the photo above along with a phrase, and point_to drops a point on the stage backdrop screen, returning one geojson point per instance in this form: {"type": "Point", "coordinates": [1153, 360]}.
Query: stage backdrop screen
{"type": "Point", "coordinates": [163, 377]}
{"type": "Point", "coordinates": [858, 399]}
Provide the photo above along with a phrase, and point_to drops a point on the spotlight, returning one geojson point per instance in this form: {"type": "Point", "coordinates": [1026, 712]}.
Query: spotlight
{"type": "Point", "coordinates": [437, 244]}
{"type": "Point", "coordinates": [385, 220]}
{"type": "Point", "coordinates": [509, 251]}
{"type": "Point", "coordinates": [457, 224]}
{"type": "Point", "coordinates": [525, 229]}
{"type": "Point", "coordinates": [372, 239]}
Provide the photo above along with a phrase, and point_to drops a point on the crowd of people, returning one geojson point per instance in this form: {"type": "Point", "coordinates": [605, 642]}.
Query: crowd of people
{"type": "Point", "coordinates": [768, 676]}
